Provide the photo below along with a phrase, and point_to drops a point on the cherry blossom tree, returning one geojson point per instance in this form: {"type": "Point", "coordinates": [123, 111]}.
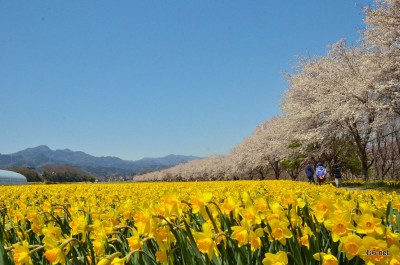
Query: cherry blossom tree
{"type": "Point", "coordinates": [331, 96]}
{"type": "Point", "coordinates": [266, 148]}
{"type": "Point", "coordinates": [382, 40]}
{"type": "Point", "coordinates": [209, 168]}
{"type": "Point", "coordinates": [383, 24]}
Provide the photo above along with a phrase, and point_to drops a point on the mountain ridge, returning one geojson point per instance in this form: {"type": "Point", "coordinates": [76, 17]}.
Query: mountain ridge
{"type": "Point", "coordinates": [102, 166]}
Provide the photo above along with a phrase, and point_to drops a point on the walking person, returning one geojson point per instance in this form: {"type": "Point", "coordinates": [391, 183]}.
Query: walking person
{"type": "Point", "coordinates": [310, 172]}
{"type": "Point", "coordinates": [320, 173]}
{"type": "Point", "coordinates": [337, 174]}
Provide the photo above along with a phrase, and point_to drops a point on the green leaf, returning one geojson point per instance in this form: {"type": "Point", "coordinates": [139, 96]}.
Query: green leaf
{"type": "Point", "coordinates": [2, 250]}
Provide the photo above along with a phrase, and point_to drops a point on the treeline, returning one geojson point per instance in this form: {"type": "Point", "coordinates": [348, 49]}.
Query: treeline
{"type": "Point", "coordinates": [54, 174]}
{"type": "Point", "coordinates": [341, 108]}
{"type": "Point", "coordinates": [31, 174]}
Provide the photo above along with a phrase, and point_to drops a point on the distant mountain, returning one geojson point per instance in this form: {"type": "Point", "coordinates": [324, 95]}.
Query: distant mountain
{"type": "Point", "coordinates": [99, 166]}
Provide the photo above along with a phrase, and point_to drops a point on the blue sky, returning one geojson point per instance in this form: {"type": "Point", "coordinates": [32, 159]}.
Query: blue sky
{"type": "Point", "coordinates": [137, 79]}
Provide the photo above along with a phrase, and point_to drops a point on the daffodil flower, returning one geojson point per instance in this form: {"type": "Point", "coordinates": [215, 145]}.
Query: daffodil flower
{"type": "Point", "coordinates": [394, 255]}
{"type": "Point", "coordinates": [339, 225]}
{"type": "Point", "coordinates": [245, 235]}
{"type": "Point", "coordinates": [54, 254]}
{"type": "Point", "coordinates": [322, 208]}
{"type": "Point", "coordinates": [350, 244]}
{"type": "Point", "coordinates": [112, 260]}
{"type": "Point", "coordinates": [326, 259]}
{"type": "Point", "coordinates": [368, 224]}
{"type": "Point", "coordinates": [205, 241]}
{"type": "Point", "coordinates": [373, 251]}
{"type": "Point", "coordinates": [135, 243]}
{"type": "Point", "coordinates": [279, 231]}
{"type": "Point", "coordinates": [21, 253]}
{"type": "Point", "coordinates": [199, 201]}
{"type": "Point", "coordinates": [306, 233]}
{"type": "Point", "coordinates": [280, 258]}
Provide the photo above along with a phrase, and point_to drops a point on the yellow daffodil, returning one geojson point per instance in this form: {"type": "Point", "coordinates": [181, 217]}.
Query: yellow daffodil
{"type": "Point", "coordinates": [143, 221]}
{"type": "Point", "coordinates": [245, 235]}
{"type": "Point", "coordinates": [240, 234]}
{"type": "Point", "coordinates": [250, 214]}
{"type": "Point", "coordinates": [162, 233]}
{"type": "Point", "coordinates": [135, 243]}
{"type": "Point", "coordinates": [172, 204]}
{"type": "Point", "coordinates": [276, 212]}
{"type": "Point", "coordinates": [100, 238]}
{"type": "Point", "coordinates": [392, 238]}
{"type": "Point", "coordinates": [99, 247]}
{"type": "Point", "coordinates": [368, 224]}
{"type": "Point", "coordinates": [205, 241]}
{"type": "Point", "coordinates": [322, 208]}
{"type": "Point", "coordinates": [37, 226]}
{"type": "Point", "coordinates": [229, 205]}
{"type": "Point", "coordinates": [290, 200]}
{"type": "Point", "coordinates": [396, 204]}
{"type": "Point", "coordinates": [279, 231]}
{"type": "Point", "coordinates": [350, 245]}
{"type": "Point", "coordinates": [79, 226]}
{"type": "Point", "coordinates": [261, 204]}
{"type": "Point", "coordinates": [374, 251]}
{"type": "Point", "coordinates": [118, 261]}
{"type": "Point", "coordinates": [344, 206]}
{"type": "Point", "coordinates": [306, 233]}
{"type": "Point", "coordinates": [339, 225]}
{"type": "Point", "coordinates": [199, 202]}
{"type": "Point", "coordinates": [112, 260]}
{"type": "Point", "coordinates": [21, 253]}
{"type": "Point", "coordinates": [280, 258]}
{"type": "Point", "coordinates": [394, 252]}
{"type": "Point", "coordinates": [53, 231]}
{"type": "Point", "coordinates": [54, 254]}
{"type": "Point", "coordinates": [254, 238]}
{"type": "Point", "coordinates": [161, 256]}
{"type": "Point", "coordinates": [326, 259]}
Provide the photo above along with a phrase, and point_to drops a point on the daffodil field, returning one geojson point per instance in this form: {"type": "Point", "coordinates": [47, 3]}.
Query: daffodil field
{"type": "Point", "coordinates": [237, 222]}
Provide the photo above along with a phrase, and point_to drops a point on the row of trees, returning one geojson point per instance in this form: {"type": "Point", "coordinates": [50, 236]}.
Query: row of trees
{"type": "Point", "coordinates": [340, 108]}
{"type": "Point", "coordinates": [54, 173]}
{"type": "Point", "coordinates": [31, 174]}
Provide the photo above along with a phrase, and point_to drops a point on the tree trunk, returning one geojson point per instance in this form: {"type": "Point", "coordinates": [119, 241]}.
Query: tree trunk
{"type": "Point", "coordinates": [277, 174]}
{"type": "Point", "coordinates": [276, 168]}
{"type": "Point", "coordinates": [251, 175]}
{"type": "Point", "coordinates": [361, 144]}
{"type": "Point", "coordinates": [260, 170]}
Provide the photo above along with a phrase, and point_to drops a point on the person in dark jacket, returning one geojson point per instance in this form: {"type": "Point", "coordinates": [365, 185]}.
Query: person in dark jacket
{"type": "Point", "coordinates": [337, 174]}
{"type": "Point", "coordinates": [310, 172]}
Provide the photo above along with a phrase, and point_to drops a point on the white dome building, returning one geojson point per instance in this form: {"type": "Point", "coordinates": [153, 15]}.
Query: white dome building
{"type": "Point", "coordinates": [11, 178]}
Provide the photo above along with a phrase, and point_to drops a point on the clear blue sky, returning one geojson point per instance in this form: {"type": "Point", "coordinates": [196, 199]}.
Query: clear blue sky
{"type": "Point", "coordinates": [137, 79]}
